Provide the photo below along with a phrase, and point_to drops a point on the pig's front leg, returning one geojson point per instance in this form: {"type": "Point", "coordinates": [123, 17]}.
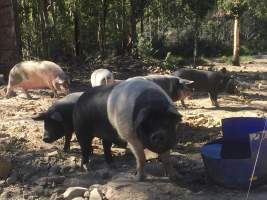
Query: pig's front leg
{"type": "Point", "coordinates": [9, 91]}
{"type": "Point", "coordinates": [107, 151]}
{"type": "Point", "coordinates": [213, 98]}
{"type": "Point", "coordinates": [138, 150]}
{"type": "Point", "coordinates": [86, 149]}
{"type": "Point", "coordinates": [26, 93]}
{"type": "Point", "coordinates": [67, 142]}
{"type": "Point", "coordinates": [183, 103]}
{"type": "Point", "coordinates": [168, 165]}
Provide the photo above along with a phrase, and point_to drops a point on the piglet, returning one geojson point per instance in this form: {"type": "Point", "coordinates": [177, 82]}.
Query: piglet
{"type": "Point", "coordinates": [37, 74]}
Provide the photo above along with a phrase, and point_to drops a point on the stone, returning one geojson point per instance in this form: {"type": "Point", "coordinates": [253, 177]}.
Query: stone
{"type": "Point", "coordinates": [12, 179]}
{"type": "Point", "coordinates": [5, 168]}
{"type": "Point", "coordinates": [2, 183]}
{"type": "Point", "coordinates": [73, 192]}
{"type": "Point", "coordinates": [94, 195]}
{"type": "Point", "coordinates": [103, 173]}
{"type": "Point", "coordinates": [54, 170]}
{"type": "Point", "coordinates": [78, 198]}
{"type": "Point", "coordinates": [5, 195]}
{"type": "Point", "coordinates": [38, 190]}
{"type": "Point", "coordinates": [52, 154]}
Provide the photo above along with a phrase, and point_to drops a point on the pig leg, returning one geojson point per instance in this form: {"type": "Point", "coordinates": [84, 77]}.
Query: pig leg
{"type": "Point", "coordinates": [107, 151]}
{"type": "Point", "coordinates": [67, 142]}
{"type": "Point", "coordinates": [55, 95]}
{"type": "Point", "coordinates": [9, 91]}
{"type": "Point", "coordinates": [213, 98]}
{"type": "Point", "coordinates": [183, 104]}
{"type": "Point", "coordinates": [86, 147]}
{"type": "Point", "coordinates": [26, 93]}
{"type": "Point", "coordinates": [138, 150]}
{"type": "Point", "coordinates": [168, 165]}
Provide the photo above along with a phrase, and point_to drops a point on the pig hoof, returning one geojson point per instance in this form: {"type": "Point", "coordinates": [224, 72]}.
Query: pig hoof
{"type": "Point", "coordinates": [86, 167]}
{"type": "Point", "coordinates": [112, 166]}
{"type": "Point", "coordinates": [140, 177]}
{"type": "Point", "coordinates": [66, 150]}
{"type": "Point", "coordinates": [175, 177]}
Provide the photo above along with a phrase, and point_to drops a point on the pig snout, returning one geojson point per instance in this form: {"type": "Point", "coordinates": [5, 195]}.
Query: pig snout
{"type": "Point", "coordinates": [47, 138]}
{"type": "Point", "coordinates": [183, 93]}
{"type": "Point", "coordinates": [158, 138]}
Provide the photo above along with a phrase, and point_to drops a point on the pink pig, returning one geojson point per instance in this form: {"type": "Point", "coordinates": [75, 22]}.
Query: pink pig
{"type": "Point", "coordinates": [37, 74]}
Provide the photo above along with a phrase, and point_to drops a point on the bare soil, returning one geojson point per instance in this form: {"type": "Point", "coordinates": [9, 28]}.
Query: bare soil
{"type": "Point", "coordinates": [42, 170]}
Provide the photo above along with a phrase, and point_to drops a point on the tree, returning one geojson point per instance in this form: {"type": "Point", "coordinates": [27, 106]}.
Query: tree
{"type": "Point", "coordinates": [197, 10]}
{"type": "Point", "coordinates": [235, 8]}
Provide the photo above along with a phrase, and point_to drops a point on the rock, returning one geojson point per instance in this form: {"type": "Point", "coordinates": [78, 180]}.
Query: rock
{"type": "Point", "coordinates": [54, 196]}
{"type": "Point", "coordinates": [5, 168]}
{"type": "Point", "coordinates": [94, 195]}
{"type": "Point", "coordinates": [86, 194]}
{"type": "Point", "coordinates": [52, 154]}
{"type": "Point", "coordinates": [54, 170]}
{"type": "Point", "coordinates": [38, 190]}
{"type": "Point", "coordinates": [83, 181]}
{"type": "Point", "coordinates": [73, 192]}
{"type": "Point", "coordinates": [12, 179]}
{"type": "Point", "coordinates": [2, 183]}
{"type": "Point", "coordinates": [103, 173]}
{"type": "Point", "coordinates": [5, 195]}
{"type": "Point", "coordinates": [50, 180]}
{"type": "Point", "coordinates": [78, 198]}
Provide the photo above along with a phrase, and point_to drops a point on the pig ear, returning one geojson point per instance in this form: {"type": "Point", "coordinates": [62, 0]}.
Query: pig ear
{"type": "Point", "coordinates": [174, 113]}
{"type": "Point", "coordinates": [223, 70]}
{"type": "Point", "coordinates": [39, 117]}
{"type": "Point", "coordinates": [56, 116]}
{"type": "Point", "coordinates": [141, 116]}
{"type": "Point", "coordinates": [185, 81]}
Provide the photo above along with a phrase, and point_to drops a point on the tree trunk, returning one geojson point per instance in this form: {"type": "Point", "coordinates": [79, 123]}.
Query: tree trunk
{"type": "Point", "coordinates": [102, 14]}
{"type": "Point", "coordinates": [44, 36]}
{"type": "Point", "coordinates": [77, 31]}
{"type": "Point", "coordinates": [133, 20]}
{"type": "Point", "coordinates": [195, 52]}
{"type": "Point", "coordinates": [235, 59]}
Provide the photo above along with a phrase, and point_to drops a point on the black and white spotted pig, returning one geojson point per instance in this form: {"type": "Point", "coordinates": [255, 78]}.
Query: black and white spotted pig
{"type": "Point", "coordinates": [135, 111]}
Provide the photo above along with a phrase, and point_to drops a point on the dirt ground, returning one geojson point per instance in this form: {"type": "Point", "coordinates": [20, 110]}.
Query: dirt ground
{"type": "Point", "coordinates": [44, 171]}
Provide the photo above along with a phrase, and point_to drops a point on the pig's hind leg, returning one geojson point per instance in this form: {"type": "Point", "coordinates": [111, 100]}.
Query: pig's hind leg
{"type": "Point", "coordinates": [107, 151]}
{"type": "Point", "coordinates": [51, 87]}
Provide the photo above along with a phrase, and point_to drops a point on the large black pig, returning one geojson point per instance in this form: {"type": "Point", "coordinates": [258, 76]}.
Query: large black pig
{"type": "Point", "coordinates": [209, 81]}
{"type": "Point", "coordinates": [135, 111]}
{"type": "Point", "coordinates": [58, 120]}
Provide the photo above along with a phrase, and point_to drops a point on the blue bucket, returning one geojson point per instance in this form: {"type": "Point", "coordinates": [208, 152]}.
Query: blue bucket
{"type": "Point", "coordinates": [229, 161]}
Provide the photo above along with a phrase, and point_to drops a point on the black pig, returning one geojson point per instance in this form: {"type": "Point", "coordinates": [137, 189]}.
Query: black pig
{"type": "Point", "coordinates": [58, 120]}
{"type": "Point", "coordinates": [209, 81]}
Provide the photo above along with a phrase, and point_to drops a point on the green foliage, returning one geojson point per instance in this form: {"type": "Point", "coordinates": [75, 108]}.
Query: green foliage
{"type": "Point", "coordinates": [162, 26]}
{"type": "Point", "coordinates": [172, 61]}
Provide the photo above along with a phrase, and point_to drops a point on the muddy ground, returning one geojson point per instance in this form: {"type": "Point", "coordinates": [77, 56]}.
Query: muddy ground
{"type": "Point", "coordinates": [44, 171]}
